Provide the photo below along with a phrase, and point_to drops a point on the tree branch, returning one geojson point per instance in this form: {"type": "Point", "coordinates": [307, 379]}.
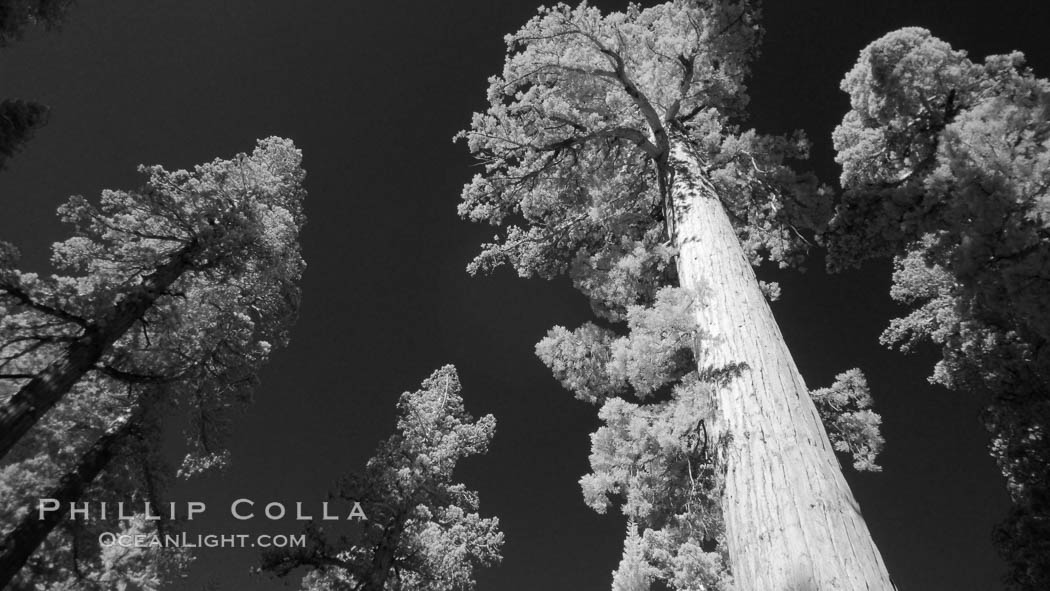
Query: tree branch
{"type": "Point", "coordinates": [26, 300]}
{"type": "Point", "coordinates": [135, 378]}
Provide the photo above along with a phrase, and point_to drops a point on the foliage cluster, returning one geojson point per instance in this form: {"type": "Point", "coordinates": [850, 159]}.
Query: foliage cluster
{"type": "Point", "coordinates": [230, 228]}
{"type": "Point", "coordinates": [423, 532]}
{"type": "Point", "coordinates": [945, 166]}
{"type": "Point", "coordinates": [657, 460]}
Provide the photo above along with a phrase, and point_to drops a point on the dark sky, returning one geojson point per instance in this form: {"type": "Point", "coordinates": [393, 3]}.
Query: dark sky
{"type": "Point", "coordinates": [373, 92]}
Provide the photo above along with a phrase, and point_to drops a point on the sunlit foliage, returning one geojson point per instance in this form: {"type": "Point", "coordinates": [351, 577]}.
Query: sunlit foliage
{"type": "Point", "coordinates": [423, 532]}
{"type": "Point", "coordinates": [575, 145]}
{"type": "Point", "coordinates": [227, 233]}
{"type": "Point", "coordinates": [945, 166]}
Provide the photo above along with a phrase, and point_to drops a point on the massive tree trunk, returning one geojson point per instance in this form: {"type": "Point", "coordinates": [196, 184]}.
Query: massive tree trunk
{"type": "Point", "coordinates": [791, 521]}
{"type": "Point", "coordinates": [20, 544]}
{"type": "Point", "coordinates": [44, 390]}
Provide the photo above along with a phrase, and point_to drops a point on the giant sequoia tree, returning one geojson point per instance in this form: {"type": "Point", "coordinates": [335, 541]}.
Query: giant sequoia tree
{"type": "Point", "coordinates": [613, 152]}
{"type": "Point", "coordinates": [946, 165]}
{"type": "Point", "coordinates": [177, 294]}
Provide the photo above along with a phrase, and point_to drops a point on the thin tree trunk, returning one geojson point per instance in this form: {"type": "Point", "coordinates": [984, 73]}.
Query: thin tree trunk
{"type": "Point", "coordinates": [20, 544]}
{"type": "Point", "coordinates": [44, 390]}
{"type": "Point", "coordinates": [791, 521]}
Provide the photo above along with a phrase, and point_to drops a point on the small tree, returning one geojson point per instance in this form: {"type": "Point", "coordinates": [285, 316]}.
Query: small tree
{"type": "Point", "coordinates": [423, 532]}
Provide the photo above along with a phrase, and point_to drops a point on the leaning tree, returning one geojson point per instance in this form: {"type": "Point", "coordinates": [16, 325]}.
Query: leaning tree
{"type": "Point", "coordinates": [184, 237]}
{"type": "Point", "coordinates": [177, 294]}
{"type": "Point", "coordinates": [612, 151]}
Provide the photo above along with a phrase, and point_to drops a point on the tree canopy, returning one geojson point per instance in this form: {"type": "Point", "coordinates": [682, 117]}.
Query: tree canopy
{"type": "Point", "coordinates": [227, 235]}
{"type": "Point", "coordinates": [196, 271]}
{"type": "Point", "coordinates": [576, 140]}
{"type": "Point", "coordinates": [945, 167]}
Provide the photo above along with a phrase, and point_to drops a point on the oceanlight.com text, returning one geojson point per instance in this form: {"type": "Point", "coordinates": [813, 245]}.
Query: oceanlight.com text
{"type": "Point", "coordinates": [185, 540]}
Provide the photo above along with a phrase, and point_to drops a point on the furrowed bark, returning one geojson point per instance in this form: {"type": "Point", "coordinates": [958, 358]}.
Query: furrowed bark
{"type": "Point", "coordinates": [44, 390]}
{"type": "Point", "coordinates": [20, 544]}
{"type": "Point", "coordinates": [792, 523]}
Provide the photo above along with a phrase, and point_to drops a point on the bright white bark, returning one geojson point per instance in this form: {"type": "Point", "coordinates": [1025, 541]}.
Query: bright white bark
{"type": "Point", "coordinates": [791, 521]}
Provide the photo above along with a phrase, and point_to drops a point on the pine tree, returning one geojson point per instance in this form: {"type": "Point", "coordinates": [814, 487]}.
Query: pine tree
{"type": "Point", "coordinates": [423, 531]}
{"type": "Point", "coordinates": [945, 166]}
{"type": "Point", "coordinates": [178, 294]}
{"type": "Point", "coordinates": [613, 152]}
{"type": "Point", "coordinates": [184, 238]}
